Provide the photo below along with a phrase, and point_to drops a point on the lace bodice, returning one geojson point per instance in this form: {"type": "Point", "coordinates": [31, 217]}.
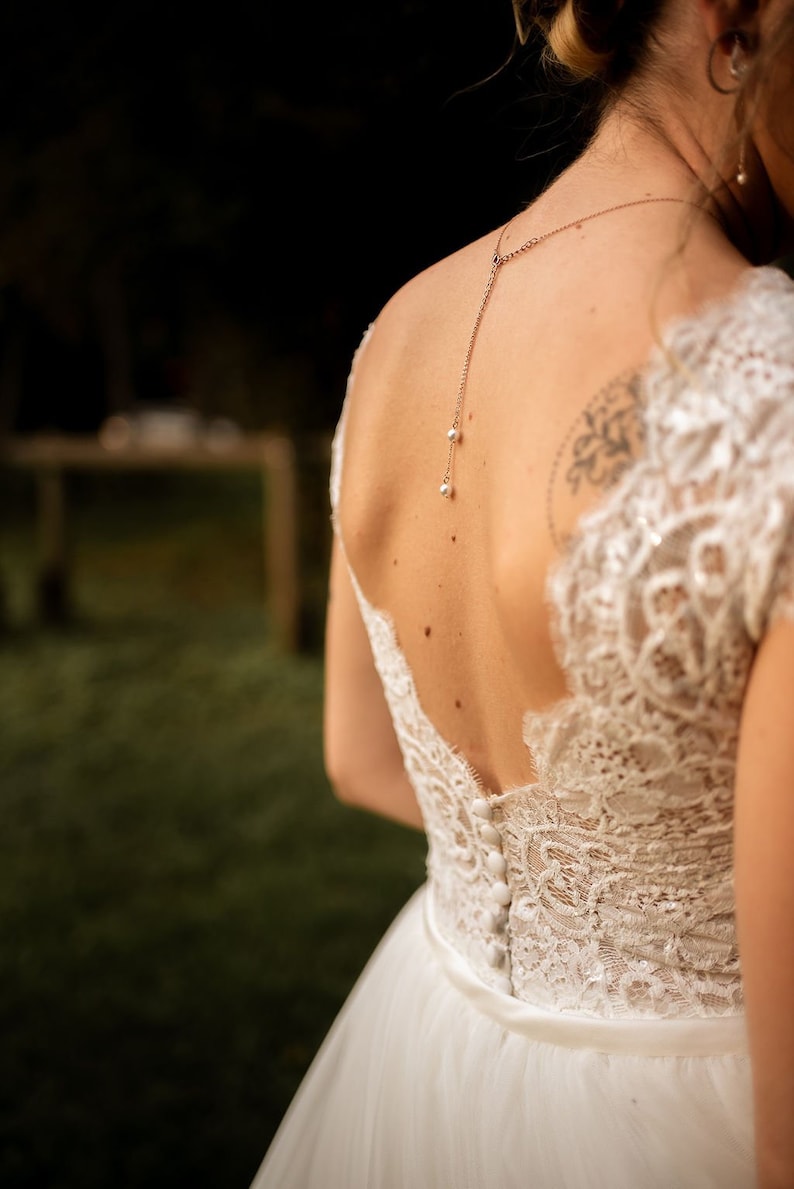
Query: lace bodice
{"type": "Point", "coordinates": [606, 886]}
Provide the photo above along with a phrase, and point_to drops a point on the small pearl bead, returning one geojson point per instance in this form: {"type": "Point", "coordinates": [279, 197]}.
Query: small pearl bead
{"type": "Point", "coordinates": [445, 490]}
{"type": "Point", "coordinates": [452, 434]}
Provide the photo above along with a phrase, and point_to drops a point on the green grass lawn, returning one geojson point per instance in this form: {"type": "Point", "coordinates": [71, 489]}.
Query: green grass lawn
{"type": "Point", "coordinates": [183, 904]}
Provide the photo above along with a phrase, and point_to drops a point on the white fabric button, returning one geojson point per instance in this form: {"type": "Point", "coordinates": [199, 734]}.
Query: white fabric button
{"type": "Point", "coordinates": [494, 955]}
{"type": "Point", "coordinates": [481, 808]}
{"type": "Point", "coordinates": [501, 892]}
{"type": "Point", "coordinates": [496, 863]}
{"type": "Point", "coordinates": [490, 834]}
{"type": "Point", "coordinates": [502, 983]}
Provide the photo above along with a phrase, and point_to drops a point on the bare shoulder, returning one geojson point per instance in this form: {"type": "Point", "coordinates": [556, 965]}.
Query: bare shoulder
{"type": "Point", "coordinates": [415, 322]}
{"type": "Point", "coordinates": [412, 352]}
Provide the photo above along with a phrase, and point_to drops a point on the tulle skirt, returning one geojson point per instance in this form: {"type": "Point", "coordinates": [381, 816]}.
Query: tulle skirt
{"type": "Point", "coordinates": [430, 1080]}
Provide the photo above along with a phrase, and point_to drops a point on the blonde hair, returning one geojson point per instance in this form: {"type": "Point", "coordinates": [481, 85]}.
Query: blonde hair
{"type": "Point", "coordinates": [589, 41]}
{"type": "Point", "coordinates": [568, 47]}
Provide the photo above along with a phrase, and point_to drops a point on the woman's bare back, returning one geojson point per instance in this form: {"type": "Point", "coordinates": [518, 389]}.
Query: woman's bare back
{"type": "Point", "coordinates": [552, 416]}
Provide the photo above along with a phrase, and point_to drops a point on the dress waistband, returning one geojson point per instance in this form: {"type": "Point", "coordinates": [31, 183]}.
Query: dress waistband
{"type": "Point", "coordinates": [700, 1036]}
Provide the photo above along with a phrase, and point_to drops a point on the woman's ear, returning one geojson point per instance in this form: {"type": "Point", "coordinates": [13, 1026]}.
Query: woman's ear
{"type": "Point", "coordinates": [730, 16]}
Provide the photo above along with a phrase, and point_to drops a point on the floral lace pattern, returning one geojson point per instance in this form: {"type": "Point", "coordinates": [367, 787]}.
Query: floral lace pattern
{"type": "Point", "coordinates": [605, 887]}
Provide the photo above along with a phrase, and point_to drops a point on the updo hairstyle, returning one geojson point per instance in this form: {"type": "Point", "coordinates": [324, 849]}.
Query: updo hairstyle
{"type": "Point", "coordinates": [599, 42]}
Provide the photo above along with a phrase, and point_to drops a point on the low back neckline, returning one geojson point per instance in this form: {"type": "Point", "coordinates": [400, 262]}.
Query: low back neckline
{"type": "Point", "coordinates": [658, 361]}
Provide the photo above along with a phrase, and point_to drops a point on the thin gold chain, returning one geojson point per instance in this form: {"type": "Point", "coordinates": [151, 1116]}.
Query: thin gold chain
{"type": "Point", "coordinates": [497, 260]}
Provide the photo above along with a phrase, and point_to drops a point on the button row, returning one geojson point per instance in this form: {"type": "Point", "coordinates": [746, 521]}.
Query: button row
{"type": "Point", "coordinates": [494, 918]}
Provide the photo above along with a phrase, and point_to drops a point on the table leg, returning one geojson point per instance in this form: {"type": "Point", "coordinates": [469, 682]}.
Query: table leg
{"type": "Point", "coordinates": [53, 585]}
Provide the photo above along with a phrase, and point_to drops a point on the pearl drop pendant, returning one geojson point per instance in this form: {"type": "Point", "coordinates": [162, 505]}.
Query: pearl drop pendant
{"type": "Point", "coordinates": [446, 490]}
{"type": "Point", "coordinates": [452, 434]}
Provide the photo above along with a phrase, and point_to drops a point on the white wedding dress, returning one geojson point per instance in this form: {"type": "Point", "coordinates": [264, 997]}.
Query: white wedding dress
{"type": "Point", "coordinates": [560, 1005]}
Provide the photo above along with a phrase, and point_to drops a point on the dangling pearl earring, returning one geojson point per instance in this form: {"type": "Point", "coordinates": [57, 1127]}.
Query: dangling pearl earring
{"type": "Point", "coordinates": [738, 68]}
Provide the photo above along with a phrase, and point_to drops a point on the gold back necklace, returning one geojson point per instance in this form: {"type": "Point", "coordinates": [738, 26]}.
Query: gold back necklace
{"type": "Point", "coordinates": [497, 260]}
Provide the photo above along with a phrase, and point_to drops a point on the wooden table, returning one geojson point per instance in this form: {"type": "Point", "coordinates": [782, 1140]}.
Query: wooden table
{"type": "Point", "coordinates": [50, 456]}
